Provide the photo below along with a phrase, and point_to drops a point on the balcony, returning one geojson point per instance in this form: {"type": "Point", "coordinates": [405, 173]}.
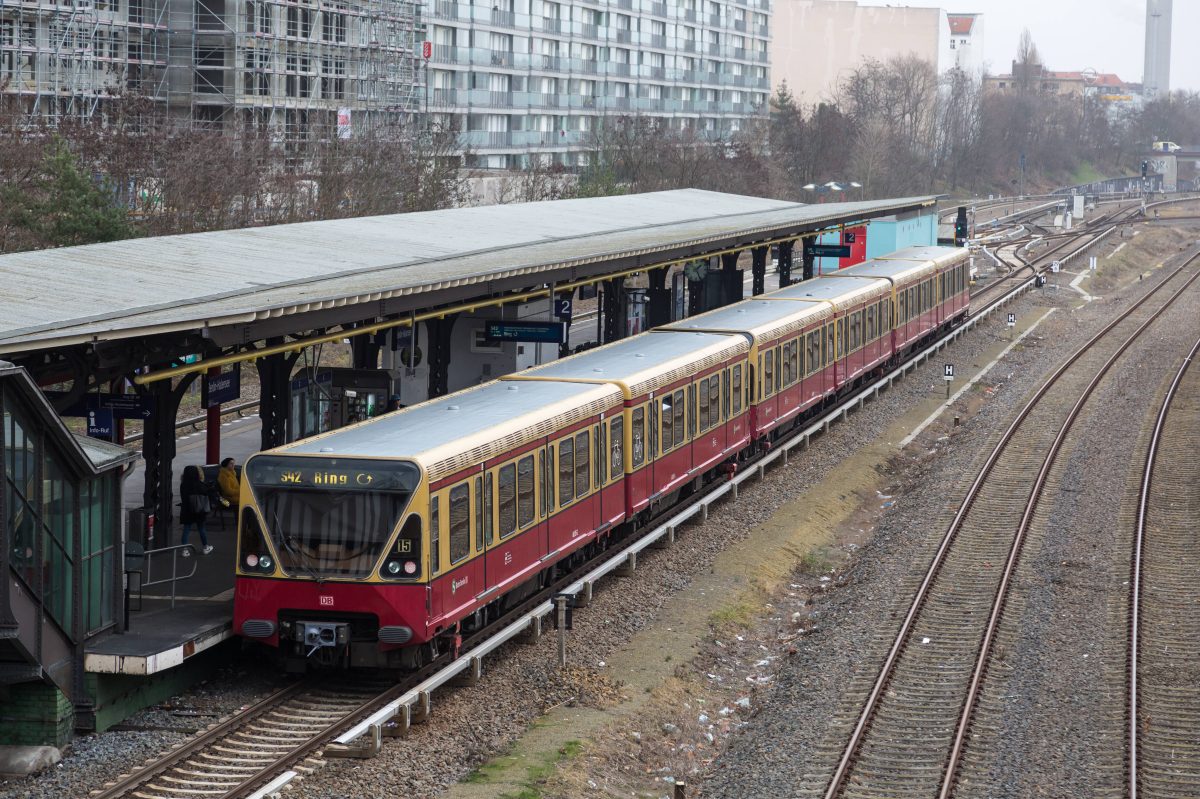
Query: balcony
{"type": "Point", "coordinates": [589, 66]}
{"type": "Point", "coordinates": [624, 36]}
{"type": "Point", "coordinates": [589, 31]}
{"type": "Point", "coordinates": [483, 139]}
{"type": "Point", "coordinates": [550, 25]}
{"type": "Point", "coordinates": [690, 15]}
{"type": "Point", "coordinates": [445, 9]}
{"type": "Point", "coordinates": [762, 30]}
{"type": "Point", "coordinates": [714, 20]}
{"type": "Point", "coordinates": [689, 45]}
{"type": "Point", "coordinates": [658, 73]}
{"type": "Point", "coordinates": [620, 70]}
{"type": "Point", "coordinates": [739, 25]}
{"type": "Point", "coordinates": [658, 9]}
{"type": "Point", "coordinates": [714, 48]}
{"type": "Point", "coordinates": [659, 42]}
{"type": "Point", "coordinates": [615, 103]}
{"type": "Point", "coordinates": [443, 98]}
{"type": "Point", "coordinates": [502, 19]}
{"type": "Point", "coordinates": [550, 63]}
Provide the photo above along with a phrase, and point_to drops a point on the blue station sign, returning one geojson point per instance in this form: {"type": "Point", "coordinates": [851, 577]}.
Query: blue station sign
{"type": "Point", "coordinates": [225, 387]}
{"type": "Point", "coordinates": [121, 406]}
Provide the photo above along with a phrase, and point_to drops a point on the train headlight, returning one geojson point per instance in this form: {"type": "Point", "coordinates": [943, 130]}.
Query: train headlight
{"type": "Point", "coordinates": [393, 567]}
{"type": "Point", "coordinates": [251, 560]}
{"type": "Point", "coordinates": [410, 567]}
{"type": "Point", "coordinates": [265, 563]}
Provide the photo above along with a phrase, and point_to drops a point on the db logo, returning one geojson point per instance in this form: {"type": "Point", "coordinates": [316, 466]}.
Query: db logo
{"type": "Point", "coordinates": [326, 601]}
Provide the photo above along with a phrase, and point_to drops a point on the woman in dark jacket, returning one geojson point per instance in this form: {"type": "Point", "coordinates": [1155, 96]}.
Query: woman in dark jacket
{"type": "Point", "coordinates": [195, 502]}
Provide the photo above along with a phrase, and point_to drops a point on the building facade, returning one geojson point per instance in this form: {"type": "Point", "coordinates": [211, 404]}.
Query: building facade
{"type": "Point", "coordinates": [293, 66]}
{"type": "Point", "coordinates": [1036, 78]}
{"type": "Point", "coordinates": [819, 43]}
{"type": "Point", "coordinates": [522, 78]}
{"type": "Point", "coordinates": [967, 42]}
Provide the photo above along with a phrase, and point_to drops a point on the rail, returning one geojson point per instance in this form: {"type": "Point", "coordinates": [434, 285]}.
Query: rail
{"type": "Point", "coordinates": [886, 672]}
{"type": "Point", "coordinates": [1136, 577]}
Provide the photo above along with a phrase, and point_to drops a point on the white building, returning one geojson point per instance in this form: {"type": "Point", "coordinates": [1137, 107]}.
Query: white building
{"type": "Point", "coordinates": [966, 42]}
{"type": "Point", "coordinates": [817, 44]}
{"type": "Point", "coordinates": [520, 77]}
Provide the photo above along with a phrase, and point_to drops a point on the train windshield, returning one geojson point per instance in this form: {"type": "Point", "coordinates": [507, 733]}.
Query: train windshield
{"type": "Point", "coordinates": [330, 517]}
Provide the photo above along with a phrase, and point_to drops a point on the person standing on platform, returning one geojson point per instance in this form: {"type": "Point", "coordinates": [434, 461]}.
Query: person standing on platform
{"type": "Point", "coordinates": [227, 481]}
{"type": "Point", "coordinates": [195, 503]}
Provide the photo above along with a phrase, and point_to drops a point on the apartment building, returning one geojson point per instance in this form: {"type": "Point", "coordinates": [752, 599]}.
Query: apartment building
{"type": "Point", "coordinates": [520, 77]}
{"type": "Point", "coordinates": [291, 66]}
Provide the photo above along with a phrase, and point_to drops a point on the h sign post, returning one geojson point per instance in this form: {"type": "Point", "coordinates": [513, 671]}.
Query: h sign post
{"type": "Point", "coordinates": [948, 376]}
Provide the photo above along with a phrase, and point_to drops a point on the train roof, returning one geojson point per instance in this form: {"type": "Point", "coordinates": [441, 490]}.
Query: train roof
{"type": "Point", "coordinates": [838, 289]}
{"type": "Point", "coordinates": [909, 263]}
{"type": "Point", "coordinates": [760, 318]}
{"type": "Point", "coordinates": [941, 256]}
{"type": "Point", "coordinates": [643, 363]}
{"type": "Point", "coordinates": [464, 429]}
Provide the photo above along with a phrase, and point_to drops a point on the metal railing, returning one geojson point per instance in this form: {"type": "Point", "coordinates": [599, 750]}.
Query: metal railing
{"type": "Point", "coordinates": [176, 552]}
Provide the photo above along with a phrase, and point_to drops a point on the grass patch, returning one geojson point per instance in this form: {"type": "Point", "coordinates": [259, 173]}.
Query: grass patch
{"type": "Point", "coordinates": [1086, 173]}
{"type": "Point", "coordinates": [815, 563]}
{"type": "Point", "coordinates": [739, 613]}
{"type": "Point", "coordinates": [527, 776]}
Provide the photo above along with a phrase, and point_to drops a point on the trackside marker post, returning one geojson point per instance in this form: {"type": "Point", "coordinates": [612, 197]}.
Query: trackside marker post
{"type": "Point", "coordinates": [948, 376]}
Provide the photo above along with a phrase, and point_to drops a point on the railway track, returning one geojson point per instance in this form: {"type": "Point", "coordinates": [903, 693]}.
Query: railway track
{"type": "Point", "coordinates": [1163, 689]}
{"type": "Point", "coordinates": [233, 755]}
{"type": "Point", "coordinates": [905, 733]}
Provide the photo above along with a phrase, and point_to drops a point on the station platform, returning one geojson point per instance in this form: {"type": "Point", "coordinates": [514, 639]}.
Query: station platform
{"type": "Point", "coordinates": [161, 637]}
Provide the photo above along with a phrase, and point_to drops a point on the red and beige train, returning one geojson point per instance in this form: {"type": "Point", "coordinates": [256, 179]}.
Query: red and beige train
{"type": "Point", "coordinates": [379, 544]}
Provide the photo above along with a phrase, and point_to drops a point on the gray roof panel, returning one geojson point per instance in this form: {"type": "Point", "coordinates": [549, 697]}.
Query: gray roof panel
{"type": "Point", "coordinates": [139, 286]}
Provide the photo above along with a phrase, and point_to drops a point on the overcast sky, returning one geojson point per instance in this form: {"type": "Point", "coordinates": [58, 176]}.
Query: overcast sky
{"type": "Point", "coordinates": [1106, 35]}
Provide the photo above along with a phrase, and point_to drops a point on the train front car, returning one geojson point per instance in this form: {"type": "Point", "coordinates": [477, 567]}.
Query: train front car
{"type": "Point", "coordinates": [322, 573]}
{"type": "Point", "coordinates": [381, 544]}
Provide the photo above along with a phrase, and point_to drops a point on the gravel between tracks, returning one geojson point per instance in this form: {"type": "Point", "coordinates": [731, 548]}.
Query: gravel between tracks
{"type": "Point", "coordinates": [1057, 735]}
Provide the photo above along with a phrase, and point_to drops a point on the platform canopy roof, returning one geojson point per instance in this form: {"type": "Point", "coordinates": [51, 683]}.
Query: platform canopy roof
{"type": "Point", "coordinates": [202, 281]}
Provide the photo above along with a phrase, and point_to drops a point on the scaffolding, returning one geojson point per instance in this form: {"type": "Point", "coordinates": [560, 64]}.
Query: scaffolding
{"type": "Point", "coordinates": [304, 68]}
{"type": "Point", "coordinates": [71, 58]}
{"type": "Point", "coordinates": [296, 68]}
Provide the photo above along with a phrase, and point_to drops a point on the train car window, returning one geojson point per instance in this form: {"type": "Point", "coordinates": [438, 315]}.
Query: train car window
{"type": "Point", "coordinates": [637, 436]}
{"type": "Point", "coordinates": [460, 522]}
{"type": "Point", "coordinates": [768, 361]}
{"type": "Point", "coordinates": [566, 472]}
{"type": "Point", "coordinates": [704, 420]}
{"type": "Point", "coordinates": [652, 450]}
{"type": "Point", "coordinates": [714, 400]}
{"type": "Point", "coordinates": [526, 509]}
{"type": "Point", "coordinates": [691, 407]}
{"type": "Point", "coordinates": [786, 363]}
{"type": "Point", "coordinates": [737, 389]}
{"type": "Point", "coordinates": [668, 421]}
{"type": "Point", "coordinates": [582, 448]}
{"type": "Point", "coordinates": [616, 434]}
{"type": "Point", "coordinates": [828, 349]}
{"type": "Point", "coordinates": [601, 461]}
{"type": "Point", "coordinates": [725, 394]}
{"type": "Point", "coordinates": [508, 500]}
{"type": "Point", "coordinates": [435, 538]}
{"type": "Point", "coordinates": [487, 507]}
{"type": "Point", "coordinates": [778, 368]}
{"type": "Point", "coordinates": [870, 323]}
{"type": "Point", "coordinates": [679, 436]}
{"type": "Point", "coordinates": [479, 514]}
{"type": "Point", "coordinates": [544, 485]}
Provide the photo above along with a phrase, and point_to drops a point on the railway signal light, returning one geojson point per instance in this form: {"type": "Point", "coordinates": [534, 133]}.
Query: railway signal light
{"type": "Point", "coordinates": [1145, 168]}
